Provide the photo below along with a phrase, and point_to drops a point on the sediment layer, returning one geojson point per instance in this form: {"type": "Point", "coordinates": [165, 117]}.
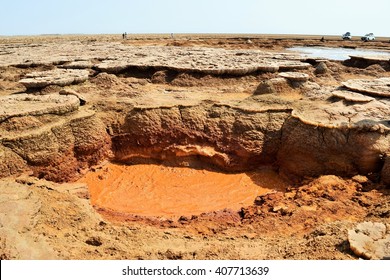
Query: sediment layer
{"type": "Point", "coordinates": [50, 136]}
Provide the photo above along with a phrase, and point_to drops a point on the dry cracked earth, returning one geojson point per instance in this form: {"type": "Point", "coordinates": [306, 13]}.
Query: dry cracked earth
{"type": "Point", "coordinates": [192, 148]}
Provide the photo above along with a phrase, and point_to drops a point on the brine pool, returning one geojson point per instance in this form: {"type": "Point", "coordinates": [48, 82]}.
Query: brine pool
{"type": "Point", "coordinates": [337, 53]}
{"type": "Point", "coordinates": [158, 190]}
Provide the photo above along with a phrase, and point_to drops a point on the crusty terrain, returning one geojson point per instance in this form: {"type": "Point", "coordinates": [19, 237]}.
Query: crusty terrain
{"type": "Point", "coordinates": [221, 104]}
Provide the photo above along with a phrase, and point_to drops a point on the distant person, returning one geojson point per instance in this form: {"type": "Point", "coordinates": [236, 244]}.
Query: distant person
{"type": "Point", "coordinates": [171, 35]}
{"type": "Point", "coordinates": [125, 35]}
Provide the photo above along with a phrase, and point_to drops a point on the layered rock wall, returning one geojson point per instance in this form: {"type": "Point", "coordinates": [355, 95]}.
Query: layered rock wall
{"type": "Point", "coordinates": [53, 144]}
{"type": "Point", "coordinates": [231, 137]}
{"type": "Point", "coordinates": [309, 150]}
{"type": "Point", "coordinates": [237, 139]}
{"type": "Point", "coordinates": [290, 121]}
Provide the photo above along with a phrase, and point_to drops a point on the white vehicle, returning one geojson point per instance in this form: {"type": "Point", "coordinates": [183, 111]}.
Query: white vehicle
{"type": "Point", "coordinates": [368, 37]}
{"type": "Point", "coordinates": [347, 36]}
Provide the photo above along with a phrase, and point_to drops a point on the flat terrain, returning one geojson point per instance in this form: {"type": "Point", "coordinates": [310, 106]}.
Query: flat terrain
{"type": "Point", "coordinates": [193, 147]}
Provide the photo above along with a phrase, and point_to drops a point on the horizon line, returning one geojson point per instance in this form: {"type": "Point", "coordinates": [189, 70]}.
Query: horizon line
{"type": "Point", "coordinates": [179, 33]}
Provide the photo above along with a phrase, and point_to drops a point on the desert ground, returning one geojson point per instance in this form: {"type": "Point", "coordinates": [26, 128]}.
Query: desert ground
{"type": "Point", "coordinates": [193, 146]}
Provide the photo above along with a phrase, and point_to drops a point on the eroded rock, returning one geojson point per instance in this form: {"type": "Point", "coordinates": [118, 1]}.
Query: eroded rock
{"type": "Point", "coordinates": [116, 57]}
{"type": "Point", "coordinates": [239, 136]}
{"type": "Point", "coordinates": [20, 105]}
{"type": "Point", "coordinates": [78, 64]}
{"type": "Point", "coordinates": [105, 80]}
{"type": "Point", "coordinates": [363, 61]}
{"type": "Point", "coordinates": [60, 77]}
{"type": "Point", "coordinates": [160, 77]}
{"type": "Point", "coordinates": [48, 135]}
{"type": "Point", "coordinates": [265, 87]}
{"type": "Point", "coordinates": [317, 134]}
{"type": "Point", "coordinates": [11, 163]}
{"type": "Point", "coordinates": [335, 138]}
{"type": "Point", "coordinates": [370, 240]}
{"type": "Point", "coordinates": [82, 99]}
{"type": "Point", "coordinates": [295, 76]}
{"type": "Point", "coordinates": [352, 96]}
{"type": "Point", "coordinates": [376, 87]}
{"type": "Point", "coordinates": [321, 68]}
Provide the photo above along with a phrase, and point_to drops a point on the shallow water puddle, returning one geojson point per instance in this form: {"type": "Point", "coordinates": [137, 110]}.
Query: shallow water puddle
{"type": "Point", "coordinates": [337, 53]}
{"type": "Point", "coordinates": [158, 190]}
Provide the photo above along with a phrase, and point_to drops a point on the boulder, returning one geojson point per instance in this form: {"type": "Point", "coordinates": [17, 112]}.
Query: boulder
{"type": "Point", "coordinates": [321, 68]}
{"type": "Point", "coordinates": [265, 87]}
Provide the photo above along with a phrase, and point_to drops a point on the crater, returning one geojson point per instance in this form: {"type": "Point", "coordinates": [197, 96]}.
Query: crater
{"type": "Point", "coordinates": [190, 149]}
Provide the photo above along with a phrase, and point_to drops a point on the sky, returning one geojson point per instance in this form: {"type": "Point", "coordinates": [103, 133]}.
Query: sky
{"type": "Point", "coordinates": [324, 17]}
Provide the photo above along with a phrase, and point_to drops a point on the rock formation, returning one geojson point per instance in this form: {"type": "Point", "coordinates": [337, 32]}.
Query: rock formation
{"type": "Point", "coordinates": [351, 96]}
{"type": "Point", "coordinates": [319, 147]}
{"type": "Point", "coordinates": [312, 135]}
{"type": "Point", "coordinates": [295, 76]}
{"type": "Point", "coordinates": [376, 87]}
{"type": "Point", "coordinates": [265, 87]}
{"type": "Point", "coordinates": [48, 135]}
{"type": "Point", "coordinates": [60, 77]}
{"type": "Point", "coordinates": [114, 58]}
{"type": "Point", "coordinates": [363, 61]}
{"type": "Point", "coordinates": [321, 68]}
{"type": "Point", "coordinates": [236, 137]}
{"type": "Point", "coordinates": [370, 240]}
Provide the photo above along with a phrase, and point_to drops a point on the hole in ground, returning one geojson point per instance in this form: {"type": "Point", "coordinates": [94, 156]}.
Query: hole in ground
{"type": "Point", "coordinates": [171, 192]}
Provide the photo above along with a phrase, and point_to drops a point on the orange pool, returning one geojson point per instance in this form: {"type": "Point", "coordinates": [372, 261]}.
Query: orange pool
{"type": "Point", "coordinates": [158, 190]}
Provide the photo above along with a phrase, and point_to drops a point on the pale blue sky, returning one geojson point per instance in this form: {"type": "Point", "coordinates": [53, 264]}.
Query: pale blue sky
{"type": "Point", "coordinates": [30, 17]}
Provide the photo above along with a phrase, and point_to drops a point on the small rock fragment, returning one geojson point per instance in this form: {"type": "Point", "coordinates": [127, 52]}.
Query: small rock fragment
{"type": "Point", "coordinates": [82, 99]}
{"type": "Point", "coordinates": [160, 77]}
{"type": "Point", "coordinates": [264, 88]}
{"type": "Point", "coordinates": [321, 68]}
{"type": "Point", "coordinates": [94, 241]}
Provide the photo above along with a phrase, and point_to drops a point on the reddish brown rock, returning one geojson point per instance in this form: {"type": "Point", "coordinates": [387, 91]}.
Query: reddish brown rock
{"type": "Point", "coordinates": [50, 136]}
